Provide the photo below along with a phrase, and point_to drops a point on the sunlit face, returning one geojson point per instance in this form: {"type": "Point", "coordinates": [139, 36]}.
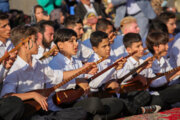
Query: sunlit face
{"type": "Point", "coordinates": [4, 29]}
{"type": "Point", "coordinates": [161, 50]}
{"type": "Point", "coordinates": [136, 46]}
{"type": "Point", "coordinates": [109, 31]}
{"type": "Point", "coordinates": [103, 49]}
{"type": "Point", "coordinates": [33, 45]}
{"type": "Point", "coordinates": [132, 28]}
{"type": "Point", "coordinates": [171, 25]}
{"type": "Point", "coordinates": [39, 14]}
{"type": "Point", "coordinates": [48, 36]}
{"type": "Point", "coordinates": [87, 2]}
{"type": "Point", "coordinates": [69, 48]}
{"type": "Point", "coordinates": [79, 30]}
{"type": "Point", "coordinates": [61, 17]}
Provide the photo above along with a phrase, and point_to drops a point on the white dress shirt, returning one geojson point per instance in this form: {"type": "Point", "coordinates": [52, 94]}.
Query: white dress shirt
{"type": "Point", "coordinates": [60, 62]}
{"type": "Point", "coordinates": [174, 52]}
{"type": "Point", "coordinates": [118, 47]}
{"type": "Point", "coordinates": [84, 52]}
{"type": "Point", "coordinates": [132, 63]}
{"type": "Point", "coordinates": [163, 66]}
{"type": "Point", "coordinates": [105, 77]}
{"type": "Point", "coordinates": [23, 78]}
{"type": "Point", "coordinates": [3, 48]}
{"type": "Point", "coordinates": [41, 52]}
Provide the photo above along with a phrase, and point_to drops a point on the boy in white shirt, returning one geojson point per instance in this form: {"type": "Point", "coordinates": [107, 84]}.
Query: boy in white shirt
{"type": "Point", "coordinates": [28, 74]}
{"type": "Point", "coordinates": [101, 47]}
{"type": "Point", "coordinates": [66, 41]}
{"type": "Point", "coordinates": [157, 43]}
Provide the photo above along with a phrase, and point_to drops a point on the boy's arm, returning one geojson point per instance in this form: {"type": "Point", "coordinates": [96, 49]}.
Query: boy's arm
{"type": "Point", "coordinates": [32, 95]}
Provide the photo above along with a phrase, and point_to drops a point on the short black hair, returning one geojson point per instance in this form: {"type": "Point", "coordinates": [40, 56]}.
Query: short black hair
{"type": "Point", "coordinates": [158, 25]}
{"type": "Point", "coordinates": [3, 16]}
{"type": "Point", "coordinates": [41, 25]}
{"type": "Point", "coordinates": [72, 20]}
{"type": "Point", "coordinates": [131, 38]}
{"type": "Point", "coordinates": [62, 35]}
{"type": "Point", "coordinates": [102, 24]}
{"type": "Point", "coordinates": [155, 39]}
{"type": "Point", "coordinates": [165, 16]}
{"type": "Point", "coordinates": [97, 37]}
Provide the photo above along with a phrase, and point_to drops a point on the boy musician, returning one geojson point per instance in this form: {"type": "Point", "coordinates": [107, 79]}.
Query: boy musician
{"type": "Point", "coordinates": [76, 24]}
{"type": "Point", "coordinates": [66, 40]}
{"type": "Point", "coordinates": [157, 43]}
{"type": "Point", "coordinates": [28, 74]}
{"type": "Point", "coordinates": [101, 47]}
{"type": "Point", "coordinates": [10, 107]}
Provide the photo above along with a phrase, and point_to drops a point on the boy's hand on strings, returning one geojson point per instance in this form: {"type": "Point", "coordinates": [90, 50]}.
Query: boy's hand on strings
{"type": "Point", "coordinates": [93, 70]}
{"type": "Point", "coordinates": [41, 100]}
{"type": "Point", "coordinates": [8, 62]}
{"type": "Point", "coordinates": [81, 82]}
{"type": "Point", "coordinates": [121, 63]}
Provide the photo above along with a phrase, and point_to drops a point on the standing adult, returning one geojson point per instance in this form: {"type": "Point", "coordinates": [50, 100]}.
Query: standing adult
{"type": "Point", "coordinates": [85, 6]}
{"type": "Point", "coordinates": [140, 9]}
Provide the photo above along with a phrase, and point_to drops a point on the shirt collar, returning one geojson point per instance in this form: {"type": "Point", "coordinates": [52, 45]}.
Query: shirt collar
{"type": "Point", "coordinates": [133, 61]}
{"type": "Point", "coordinates": [24, 65]}
{"type": "Point", "coordinates": [160, 62]}
{"type": "Point", "coordinates": [64, 59]}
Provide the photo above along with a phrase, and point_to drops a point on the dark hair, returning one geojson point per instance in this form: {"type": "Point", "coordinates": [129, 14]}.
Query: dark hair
{"type": "Point", "coordinates": [3, 16]}
{"type": "Point", "coordinates": [72, 21]}
{"type": "Point", "coordinates": [21, 32]}
{"type": "Point", "coordinates": [97, 37]}
{"type": "Point", "coordinates": [37, 6]}
{"type": "Point", "coordinates": [165, 16]}
{"type": "Point", "coordinates": [62, 35]}
{"type": "Point", "coordinates": [102, 24]}
{"type": "Point", "coordinates": [158, 25]}
{"type": "Point", "coordinates": [41, 25]}
{"type": "Point", "coordinates": [131, 38]}
{"type": "Point", "coordinates": [155, 39]}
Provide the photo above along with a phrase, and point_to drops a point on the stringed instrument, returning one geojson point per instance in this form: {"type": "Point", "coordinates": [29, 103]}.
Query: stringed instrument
{"type": "Point", "coordinates": [138, 85]}
{"type": "Point", "coordinates": [6, 55]}
{"type": "Point", "coordinates": [47, 54]}
{"type": "Point", "coordinates": [63, 98]}
{"type": "Point", "coordinates": [70, 95]}
{"type": "Point", "coordinates": [32, 106]}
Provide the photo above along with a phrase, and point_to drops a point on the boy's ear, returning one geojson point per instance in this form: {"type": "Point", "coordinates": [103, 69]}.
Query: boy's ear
{"type": "Point", "coordinates": [129, 50]}
{"type": "Point", "coordinates": [95, 49]}
{"type": "Point", "coordinates": [60, 45]}
{"type": "Point", "coordinates": [156, 49]}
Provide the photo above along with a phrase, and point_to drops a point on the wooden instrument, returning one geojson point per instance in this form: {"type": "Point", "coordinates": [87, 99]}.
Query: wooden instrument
{"type": "Point", "coordinates": [6, 55]}
{"type": "Point", "coordinates": [135, 70]}
{"type": "Point", "coordinates": [32, 106]}
{"type": "Point", "coordinates": [68, 96]}
{"type": "Point", "coordinates": [137, 85]}
{"type": "Point", "coordinates": [47, 54]}
{"type": "Point", "coordinates": [63, 98]}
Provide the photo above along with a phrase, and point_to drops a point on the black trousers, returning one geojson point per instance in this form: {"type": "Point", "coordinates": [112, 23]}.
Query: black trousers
{"type": "Point", "coordinates": [170, 94]}
{"type": "Point", "coordinates": [105, 108]}
{"type": "Point", "coordinates": [11, 108]}
{"type": "Point", "coordinates": [135, 100]}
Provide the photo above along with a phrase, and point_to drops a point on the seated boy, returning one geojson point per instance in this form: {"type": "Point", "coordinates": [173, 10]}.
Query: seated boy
{"type": "Point", "coordinates": [28, 74]}
{"type": "Point", "coordinates": [157, 43]}
{"type": "Point", "coordinates": [66, 40]}
{"type": "Point", "coordinates": [101, 47]}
